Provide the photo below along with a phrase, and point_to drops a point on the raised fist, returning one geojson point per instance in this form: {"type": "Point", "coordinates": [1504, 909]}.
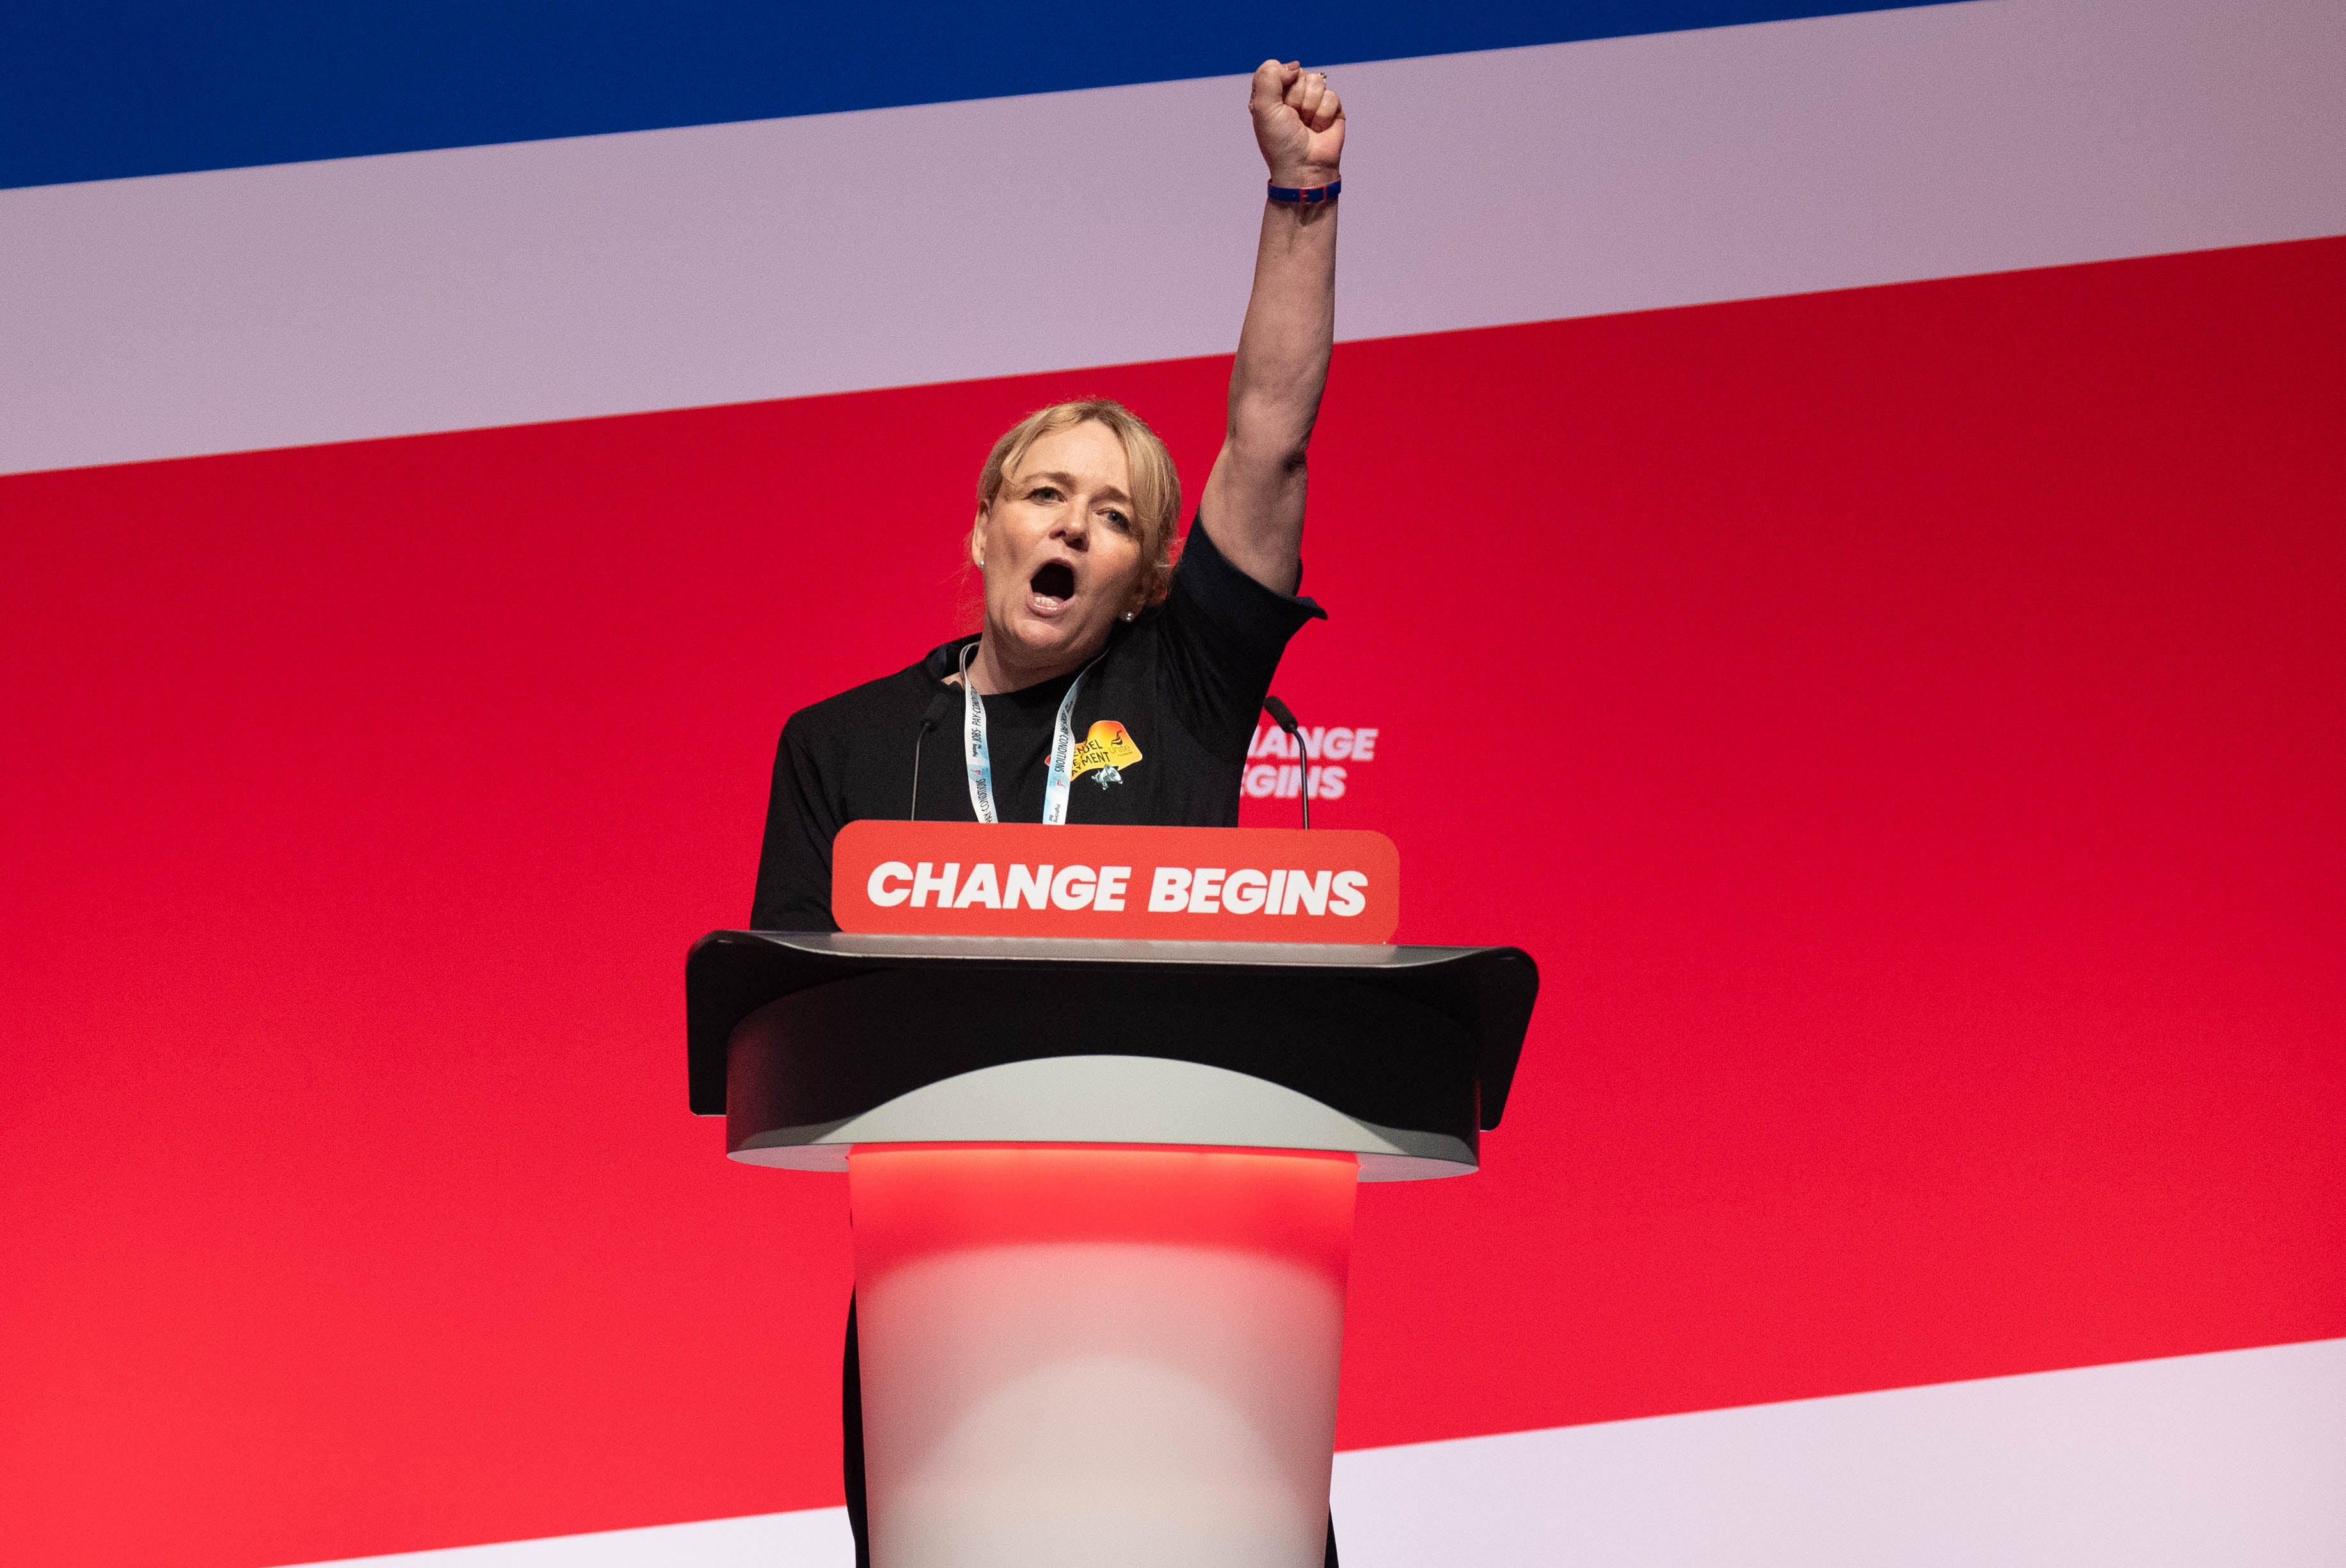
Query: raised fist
{"type": "Point", "coordinates": [1298, 123]}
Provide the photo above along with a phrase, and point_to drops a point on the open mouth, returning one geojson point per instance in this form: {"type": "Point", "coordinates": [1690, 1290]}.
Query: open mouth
{"type": "Point", "coordinates": [1056, 580]}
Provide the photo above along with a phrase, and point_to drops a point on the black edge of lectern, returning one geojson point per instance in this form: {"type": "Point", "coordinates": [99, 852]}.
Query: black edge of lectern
{"type": "Point", "coordinates": [1488, 992]}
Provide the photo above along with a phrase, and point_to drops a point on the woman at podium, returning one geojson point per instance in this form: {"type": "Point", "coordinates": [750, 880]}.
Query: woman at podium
{"type": "Point", "coordinates": [1108, 683]}
{"type": "Point", "coordinates": [1091, 633]}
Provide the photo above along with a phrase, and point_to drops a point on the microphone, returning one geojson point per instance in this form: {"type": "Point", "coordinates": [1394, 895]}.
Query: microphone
{"type": "Point", "coordinates": [932, 716]}
{"type": "Point", "coordinates": [1281, 716]}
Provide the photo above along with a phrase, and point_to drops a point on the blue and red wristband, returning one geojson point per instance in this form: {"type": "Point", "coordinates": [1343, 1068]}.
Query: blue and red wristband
{"type": "Point", "coordinates": [1307, 194]}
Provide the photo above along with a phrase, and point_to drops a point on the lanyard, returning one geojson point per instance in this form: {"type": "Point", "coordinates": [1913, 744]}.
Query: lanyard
{"type": "Point", "coordinates": [981, 759]}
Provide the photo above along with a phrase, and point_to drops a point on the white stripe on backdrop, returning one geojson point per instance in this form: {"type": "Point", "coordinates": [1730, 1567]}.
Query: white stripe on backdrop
{"type": "Point", "coordinates": [328, 301]}
{"type": "Point", "coordinates": [2231, 1459]}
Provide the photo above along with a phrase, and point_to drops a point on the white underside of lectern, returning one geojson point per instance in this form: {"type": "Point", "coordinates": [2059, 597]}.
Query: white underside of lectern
{"type": "Point", "coordinates": [1094, 1356]}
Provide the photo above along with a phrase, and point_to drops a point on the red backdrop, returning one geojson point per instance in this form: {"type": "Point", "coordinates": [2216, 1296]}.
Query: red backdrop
{"type": "Point", "coordinates": [1904, 723]}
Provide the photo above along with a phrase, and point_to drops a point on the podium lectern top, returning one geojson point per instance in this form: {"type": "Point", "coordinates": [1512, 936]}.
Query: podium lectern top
{"type": "Point", "coordinates": [809, 1042]}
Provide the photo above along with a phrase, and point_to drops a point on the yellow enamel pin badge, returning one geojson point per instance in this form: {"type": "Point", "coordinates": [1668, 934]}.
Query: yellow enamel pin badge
{"type": "Point", "coordinates": [1108, 749]}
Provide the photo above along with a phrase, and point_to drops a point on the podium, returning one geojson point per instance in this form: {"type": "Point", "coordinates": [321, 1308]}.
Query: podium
{"type": "Point", "coordinates": [1102, 1194]}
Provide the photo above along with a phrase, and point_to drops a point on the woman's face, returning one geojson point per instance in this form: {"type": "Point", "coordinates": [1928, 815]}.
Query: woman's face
{"type": "Point", "coordinates": [1060, 554]}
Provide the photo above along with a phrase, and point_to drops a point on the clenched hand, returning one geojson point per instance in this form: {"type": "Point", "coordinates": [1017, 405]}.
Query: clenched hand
{"type": "Point", "coordinates": [1298, 123]}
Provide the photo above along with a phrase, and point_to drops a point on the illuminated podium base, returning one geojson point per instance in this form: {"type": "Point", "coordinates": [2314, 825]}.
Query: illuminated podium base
{"type": "Point", "coordinates": [1075, 1357]}
{"type": "Point", "coordinates": [1102, 1196]}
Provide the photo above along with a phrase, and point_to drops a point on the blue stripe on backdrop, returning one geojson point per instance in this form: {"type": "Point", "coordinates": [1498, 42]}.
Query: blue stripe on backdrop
{"type": "Point", "coordinates": [96, 91]}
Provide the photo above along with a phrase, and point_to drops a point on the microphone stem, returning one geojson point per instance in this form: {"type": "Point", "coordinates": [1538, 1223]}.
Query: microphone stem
{"type": "Point", "coordinates": [1303, 776]}
{"type": "Point", "coordinates": [1284, 717]}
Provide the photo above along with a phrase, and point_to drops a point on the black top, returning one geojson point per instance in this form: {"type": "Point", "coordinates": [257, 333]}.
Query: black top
{"type": "Point", "coordinates": [1184, 681]}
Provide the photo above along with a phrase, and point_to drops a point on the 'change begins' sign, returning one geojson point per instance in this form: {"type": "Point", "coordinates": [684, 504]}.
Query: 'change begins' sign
{"type": "Point", "coordinates": [1178, 884]}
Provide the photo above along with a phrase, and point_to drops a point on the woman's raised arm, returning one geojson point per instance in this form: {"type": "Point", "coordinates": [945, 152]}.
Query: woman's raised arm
{"type": "Point", "coordinates": [1254, 498]}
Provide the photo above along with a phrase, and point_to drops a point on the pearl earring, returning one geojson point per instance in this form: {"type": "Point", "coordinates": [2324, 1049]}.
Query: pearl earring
{"type": "Point", "coordinates": [1128, 615]}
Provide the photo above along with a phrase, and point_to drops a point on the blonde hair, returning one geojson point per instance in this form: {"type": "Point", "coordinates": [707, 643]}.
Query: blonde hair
{"type": "Point", "coordinates": [1155, 485]}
